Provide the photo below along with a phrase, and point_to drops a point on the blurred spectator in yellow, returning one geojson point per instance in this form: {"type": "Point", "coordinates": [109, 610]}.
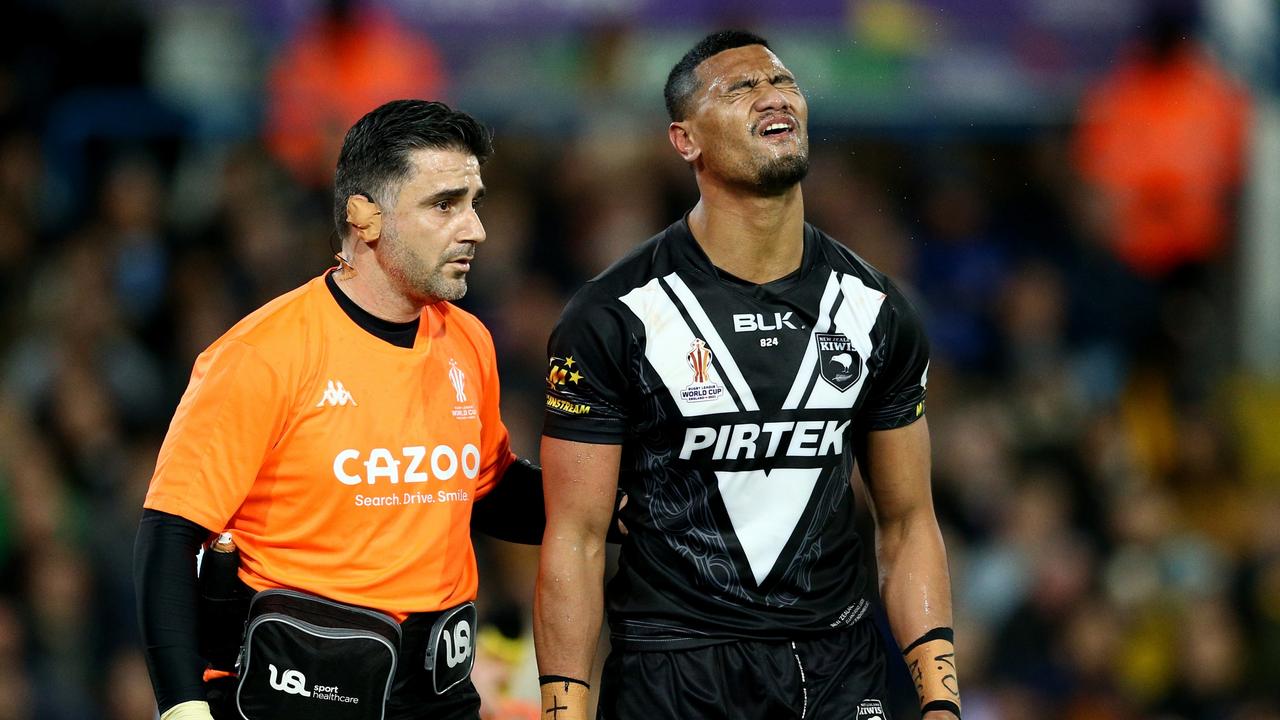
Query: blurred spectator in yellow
{"type": "Point", "coordinates": [499, 658]}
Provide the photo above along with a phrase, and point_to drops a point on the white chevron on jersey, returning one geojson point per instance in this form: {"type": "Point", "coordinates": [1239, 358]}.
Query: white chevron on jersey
{"type": "Point", "coordinates": [765, 507]}
{"type": "Point", "coordinates": [855, 318]}
{"type": "Point", "coordinates": [810, 360]}
{"type": "Point", "coordinates": [709, 334]}
{"type": "Point", "coordinates": [668, 339]}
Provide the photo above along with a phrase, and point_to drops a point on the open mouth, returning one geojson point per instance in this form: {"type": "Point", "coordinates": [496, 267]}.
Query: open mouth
{"type": "Point", "coordinates": [778, 126]}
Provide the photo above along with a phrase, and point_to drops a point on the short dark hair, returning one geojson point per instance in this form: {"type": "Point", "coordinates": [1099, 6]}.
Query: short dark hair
{"type": "Point", "coordinates": [375, 153]}
{"type": "Point", "coordinates": [683, 80]}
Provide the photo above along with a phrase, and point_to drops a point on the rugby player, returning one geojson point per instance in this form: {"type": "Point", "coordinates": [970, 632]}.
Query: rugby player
{"type": "Point", "coordinates": [726, 375]}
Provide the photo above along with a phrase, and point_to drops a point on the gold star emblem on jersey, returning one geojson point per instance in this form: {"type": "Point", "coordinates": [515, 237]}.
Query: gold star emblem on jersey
{"type": "Point", "coordinates": [560, 371]}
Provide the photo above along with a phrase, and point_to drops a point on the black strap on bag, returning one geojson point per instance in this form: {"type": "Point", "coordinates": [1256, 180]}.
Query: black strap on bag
{"type": "Point", "coordinates": [305, 656]}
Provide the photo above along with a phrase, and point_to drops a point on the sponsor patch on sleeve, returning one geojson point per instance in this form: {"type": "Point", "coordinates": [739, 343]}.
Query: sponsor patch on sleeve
{"type": "Point", "coordinates": [566, 407]}
{"type": "Point", "coordinates": [564, 374]}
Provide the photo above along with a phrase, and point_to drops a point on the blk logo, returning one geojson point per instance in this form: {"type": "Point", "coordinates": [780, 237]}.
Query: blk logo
{"type": "Point", "coordinates": [749, 322]}
{"type": "Point", "coordinates": [291, 681]}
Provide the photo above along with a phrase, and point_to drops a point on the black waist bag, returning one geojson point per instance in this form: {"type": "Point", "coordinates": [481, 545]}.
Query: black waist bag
{"type": "Point", "coordinates": [308, 657]}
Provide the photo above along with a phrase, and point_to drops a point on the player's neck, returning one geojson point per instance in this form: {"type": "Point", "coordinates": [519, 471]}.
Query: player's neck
{"type": "Point", "coordinates": [757, 239]}
{"type": "Point", "coordinates": [370, 288]}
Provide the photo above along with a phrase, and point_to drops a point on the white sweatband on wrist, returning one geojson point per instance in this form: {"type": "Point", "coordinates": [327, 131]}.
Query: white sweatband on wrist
{"type": "Point", "coordinates": [189, 710]}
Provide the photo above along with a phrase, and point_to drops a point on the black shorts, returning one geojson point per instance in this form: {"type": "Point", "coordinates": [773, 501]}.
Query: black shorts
{"type": "Point", "coordinates": [836, 677]}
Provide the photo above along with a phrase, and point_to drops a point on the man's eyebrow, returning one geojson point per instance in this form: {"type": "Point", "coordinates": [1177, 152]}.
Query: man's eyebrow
{"type": "Point", "coordinates": [752, 81]}
{"type": "Point", "coordinates": [446, 194]}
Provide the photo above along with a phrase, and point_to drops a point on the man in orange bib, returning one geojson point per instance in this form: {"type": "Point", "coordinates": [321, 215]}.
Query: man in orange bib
{"type": "Point", "coordinates": [342, 433]}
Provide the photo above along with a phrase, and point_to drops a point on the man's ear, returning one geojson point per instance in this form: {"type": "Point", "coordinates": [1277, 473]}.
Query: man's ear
{"type": "Point", "coordinates": [365, 216]}
{"type": "Point", "coordinates": [683, 142]}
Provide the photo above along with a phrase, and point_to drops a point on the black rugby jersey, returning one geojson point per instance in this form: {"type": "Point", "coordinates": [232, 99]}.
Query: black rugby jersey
{"type": "Point", "coordinates": [737, 406]}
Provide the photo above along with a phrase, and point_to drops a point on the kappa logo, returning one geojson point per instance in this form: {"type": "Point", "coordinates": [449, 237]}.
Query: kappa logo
{"type": "Point", "coordinates": [336, 394]}
{"type": "Point", "coordinates": [839, 363]}
{"type": "Point", "coordinates": [291, 681]}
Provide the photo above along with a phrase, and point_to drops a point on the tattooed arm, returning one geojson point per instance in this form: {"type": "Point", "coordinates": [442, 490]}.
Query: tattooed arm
{"type": "Point", "coordinates": [914, 580]}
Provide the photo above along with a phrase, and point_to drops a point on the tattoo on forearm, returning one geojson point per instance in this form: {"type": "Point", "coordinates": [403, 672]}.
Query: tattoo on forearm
{"type": "Point", "coordinates": [944, 663]}
{"type": "Point", "coordinates": [947, 664]}
{"type": "Point", "coordinates": [917, 677]}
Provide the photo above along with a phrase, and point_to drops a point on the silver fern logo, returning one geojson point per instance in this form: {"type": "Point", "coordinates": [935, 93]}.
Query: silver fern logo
{"type": "Point", "coordinates": [458, 380]}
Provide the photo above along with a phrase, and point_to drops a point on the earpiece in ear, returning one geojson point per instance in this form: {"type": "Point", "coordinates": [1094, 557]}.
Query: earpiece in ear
{"type": "Point", "coordinates": [365, 216]}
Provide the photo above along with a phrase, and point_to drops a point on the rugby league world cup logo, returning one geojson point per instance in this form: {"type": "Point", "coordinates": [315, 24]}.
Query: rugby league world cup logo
{"type": "Point", "coordinates": [700, 361]}
{"type": "Point", "coordinates": [702, 388]}
{"type": "Point", "coordinates": [458, 380]}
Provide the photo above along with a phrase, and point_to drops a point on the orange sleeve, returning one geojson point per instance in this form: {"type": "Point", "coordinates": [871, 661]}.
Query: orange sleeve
{"type": "Point", "coordinates": [231, 414]}
{"type": "Point", "coordinates": [495, 443]}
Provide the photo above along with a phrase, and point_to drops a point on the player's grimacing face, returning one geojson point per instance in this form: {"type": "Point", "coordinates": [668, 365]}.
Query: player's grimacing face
{"type": "Point", "coordinates": [751, 120]}
{"type": "Point", "coordinates": [430, 238]}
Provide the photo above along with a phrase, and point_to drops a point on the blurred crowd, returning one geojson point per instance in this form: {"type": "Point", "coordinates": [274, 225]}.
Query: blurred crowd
{"type": "Point", "coordinates": [1104, 471]}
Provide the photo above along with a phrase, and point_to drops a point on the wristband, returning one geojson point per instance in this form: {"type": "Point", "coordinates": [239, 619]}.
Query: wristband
{"type": "Point", "coordinates": [564, 698]}
{"type": "Point", "coordinates": [189, 710]}
{"type": "Point", "coordinates": [931, 661]}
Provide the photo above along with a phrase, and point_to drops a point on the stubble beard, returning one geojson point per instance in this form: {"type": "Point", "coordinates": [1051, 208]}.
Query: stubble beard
{"type": "Point", "coordinates": [764, 173]}
{"type": "Point", "coordinates": [779, 174]}
{"type": "Point", "coordinates": [418, 277]}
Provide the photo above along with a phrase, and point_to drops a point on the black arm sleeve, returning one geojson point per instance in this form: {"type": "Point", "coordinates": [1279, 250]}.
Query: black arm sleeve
{"type": "Point", "coordinates": [164, 576]}
{"type": "Point", "coordinates": [513, 510]}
